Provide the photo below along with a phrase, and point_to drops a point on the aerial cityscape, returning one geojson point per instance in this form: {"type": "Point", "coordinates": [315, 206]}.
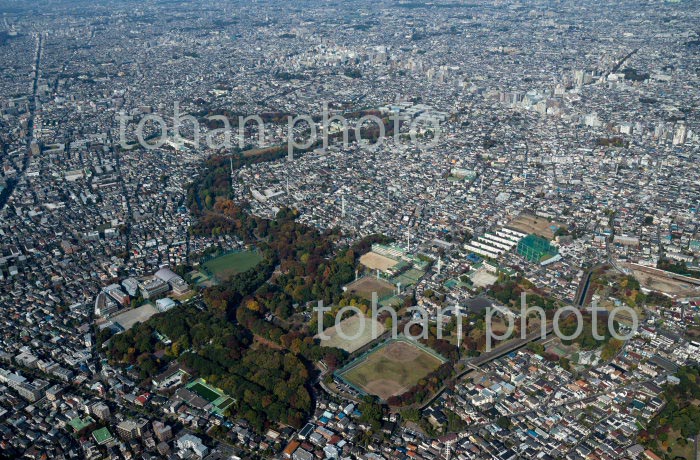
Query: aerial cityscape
{"type": "Point", "coordinates": [312, 229]}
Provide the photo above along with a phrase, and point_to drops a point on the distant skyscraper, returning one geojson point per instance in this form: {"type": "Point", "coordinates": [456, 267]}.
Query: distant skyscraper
{"type": "Point", "coordinates": [680, 136]}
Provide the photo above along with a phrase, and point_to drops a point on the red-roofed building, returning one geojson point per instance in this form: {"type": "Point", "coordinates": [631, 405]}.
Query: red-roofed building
{"type": "Point", "coordinates": [141, 400]}
{"type": "Point", "coordinates": [289, 450]}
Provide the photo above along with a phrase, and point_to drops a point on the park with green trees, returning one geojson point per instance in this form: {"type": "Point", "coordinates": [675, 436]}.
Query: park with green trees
{"type": "Point", "coordinates": [669, 433]}
{"type": "Point", "coordinates": [266, 366]}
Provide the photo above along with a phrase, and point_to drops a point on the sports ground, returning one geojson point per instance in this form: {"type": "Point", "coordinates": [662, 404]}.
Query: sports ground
{"type": "Point", "coordinates": [391, 369]}
{"type": "Point", "coordinates": [218, 399]}
{"type": "Point", "coordinates": [224, 267]}
{"type": "Point", "coordinates": [352, 327]}
{"type": "Point", "coordinates": [141, 314]}
{"type": "Point", "coordinates": [528, 223]}
{"type": "Point", "coordinates": [375, 261]}
{"type": "Point", "coordinates": [364, 287]}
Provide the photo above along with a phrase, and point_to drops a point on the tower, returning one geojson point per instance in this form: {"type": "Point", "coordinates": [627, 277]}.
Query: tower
{"type": "Point", "coordinates": [439, 264]}
{"type": "Point", "coordinates": [680, 136]}
{"type": "Point", "coordinates": [448, 449]}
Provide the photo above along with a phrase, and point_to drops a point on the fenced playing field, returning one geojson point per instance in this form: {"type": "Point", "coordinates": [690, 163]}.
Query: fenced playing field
{"type": "Point", "coordinates": [218, 399]}
{"type": "Point", "coordinates": [128, 318]}
{"type": "Point", "coordinates": [391, 369]}
{"type": "Point", "coordinates": [352, 326]}
{"type": "Point", "coordinates": [375, 261]}
{"type": "Point", "coordinates": [204, 391]}
{"type": "Point", "coordinates": [364, 287]}
{"type": "Point", "coordinates": [528, 223]}
{"type": "Point", "coordinates": [224, 267]}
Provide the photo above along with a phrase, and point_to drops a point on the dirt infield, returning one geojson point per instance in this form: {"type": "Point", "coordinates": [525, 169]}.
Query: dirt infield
{"type": "Point", "coordinates": [483, 278]}
{"type": "Point", "coordinates": [375, 261]}
{"type": "Point", "coordinates": [402, 352]}
{"type": "Point", "coordinates": [528, 223]}
{"type": "Point", "coordinates": [384, 388]}
{"type": "Point", "coordinates": [391, 369]}
{"type": "Point", "coordinates": [128, 318]}
{"type": "Point", "coordinates": [351, 327]}
{"type": "Point", "coordinates": [364, 287]}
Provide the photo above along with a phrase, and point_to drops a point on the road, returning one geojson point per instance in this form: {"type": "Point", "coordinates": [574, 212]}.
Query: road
{"type": "Point", "coordinates": [608, 241]}
{"type": "Point", "coordinates": [472, 364]}
{"type": "Point", "coordinates": [34, 105]}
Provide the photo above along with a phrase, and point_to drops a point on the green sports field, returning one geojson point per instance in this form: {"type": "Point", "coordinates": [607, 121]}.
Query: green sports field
{"type": "Point", "coordinates": [219, 401]}
{"type": "Point", "coordinates": [204, 391]}
{"type": "Point", "coordinates": [391, 369]}
{"type": "Point", "coordinates": [224, 267]}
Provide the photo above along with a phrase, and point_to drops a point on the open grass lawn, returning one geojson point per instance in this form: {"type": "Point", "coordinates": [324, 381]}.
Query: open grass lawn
{"type": "Point", "coordinates": [679, 447]}
{"type": "Point", "coordinates": [225, 267]}
{"type": "Point", "coordinates": [392, 369]}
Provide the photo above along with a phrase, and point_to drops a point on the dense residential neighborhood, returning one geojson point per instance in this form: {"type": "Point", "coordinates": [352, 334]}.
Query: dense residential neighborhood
{"type": "Point", "coordinates": [200, 201]}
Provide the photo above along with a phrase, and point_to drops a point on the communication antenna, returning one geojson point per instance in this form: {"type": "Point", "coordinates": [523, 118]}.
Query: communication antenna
{"type": "Point", "coordinates": [448, 449]}
{"type": "Point", "coordinates": [459, 331]}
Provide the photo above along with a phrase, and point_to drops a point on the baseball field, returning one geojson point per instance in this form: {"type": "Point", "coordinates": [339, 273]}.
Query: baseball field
{"type": "Point", "coordinates": [391, 369]}
{"type": "Point", "coordinates": [364, 287]}
{"type": "Point", "coordinates": [352, 327]}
